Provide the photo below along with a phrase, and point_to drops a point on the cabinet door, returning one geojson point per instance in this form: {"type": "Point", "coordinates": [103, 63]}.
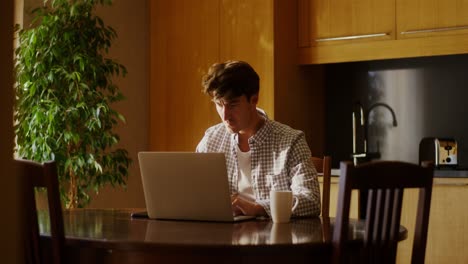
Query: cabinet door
{"type": "Point", "coordinates": [323, 22]}
{"type": "Point", "coordinates": [423, 18]}
{"type": "Point", "coordinates": [334, 190]}
{"type": "Point", "coordinates": [447, 239]}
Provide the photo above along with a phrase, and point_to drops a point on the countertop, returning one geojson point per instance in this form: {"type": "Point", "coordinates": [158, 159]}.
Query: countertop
{"type": "Point", "coordinates": [438, 173]}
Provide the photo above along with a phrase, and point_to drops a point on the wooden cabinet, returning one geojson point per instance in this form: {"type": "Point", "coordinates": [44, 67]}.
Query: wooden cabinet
{"type": "Point", "coordinates": [334, 188]}
{"type": "Point", "coordinates": [425, 18]}
{"type": "Point", "coordinates": [342, 31]}
{"type": "Point", "coordinates": [448, 220]}
{"type": "Point", "coordinates": [343, 21]}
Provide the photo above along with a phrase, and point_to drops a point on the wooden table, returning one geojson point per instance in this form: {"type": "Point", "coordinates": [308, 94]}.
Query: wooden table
{"type": "Point", "coordinates": [112, 236]}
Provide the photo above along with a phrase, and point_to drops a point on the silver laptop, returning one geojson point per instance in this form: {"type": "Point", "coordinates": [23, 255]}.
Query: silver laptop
{"type": "Point", "coordinates": [186, 186]}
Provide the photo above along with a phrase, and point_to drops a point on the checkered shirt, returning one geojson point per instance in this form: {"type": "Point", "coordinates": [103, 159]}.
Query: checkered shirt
{"type": "Point", "coordinates": [280, 161]}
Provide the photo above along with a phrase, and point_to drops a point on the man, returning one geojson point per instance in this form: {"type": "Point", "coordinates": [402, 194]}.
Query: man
{"type": "Point", "coordinates": [261, 154]}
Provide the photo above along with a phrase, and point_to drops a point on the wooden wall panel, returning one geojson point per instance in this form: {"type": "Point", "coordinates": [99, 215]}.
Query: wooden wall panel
{"type": "Point", "coordinates": [246, 33]}
{"type": "Point", "coordinates": [183, 44]}
{"type": "Point", "coordinates": [187, 37]}
{"type": "Point", "coordinates": [10, 243]}
{"type": "Point", "coordinates": [303, 25]}
{"type": "Point", "coordinates": [299, 91]}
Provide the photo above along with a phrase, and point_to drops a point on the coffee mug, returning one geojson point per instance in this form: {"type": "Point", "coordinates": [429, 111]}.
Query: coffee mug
{"type": "Point", "coordinates": [281, 206]}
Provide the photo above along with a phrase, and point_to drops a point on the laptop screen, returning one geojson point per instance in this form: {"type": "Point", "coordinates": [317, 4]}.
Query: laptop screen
{"type": "Point", "coordinates": [186, 185]}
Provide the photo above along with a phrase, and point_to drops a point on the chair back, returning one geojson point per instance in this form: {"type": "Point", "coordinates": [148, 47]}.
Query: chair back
{"type": "Point", "coordinates": [385, 182]}
{"type": "Point", "coordinates": [44, 175]}
{"type": "Point", "coordinates": [323, 166]}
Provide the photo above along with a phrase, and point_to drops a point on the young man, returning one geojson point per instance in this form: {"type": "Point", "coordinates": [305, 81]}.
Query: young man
{"type": "Point", "coordinates": [261, 154]}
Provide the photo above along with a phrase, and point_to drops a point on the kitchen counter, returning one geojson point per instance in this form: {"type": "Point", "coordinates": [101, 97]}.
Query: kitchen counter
{"type": "Point", "coordinates": [451, 173]}
{"type": "Point", "coordinates": [437, 173]}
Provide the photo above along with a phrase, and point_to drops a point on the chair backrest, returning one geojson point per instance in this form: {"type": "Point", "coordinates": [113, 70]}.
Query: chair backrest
{"type": "Point", "coordinates": [385, 181]}
{"type": "Point", "coordinates": [323, 165]}
{"type": "Point", "coordinates": [34, 175]}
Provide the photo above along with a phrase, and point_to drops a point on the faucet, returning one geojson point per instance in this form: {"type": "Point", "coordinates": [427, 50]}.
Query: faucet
{"type": "Point", "coordinates": [365, 125]}
{"type": "Point", "coordinates": [363, 195]}
{"type": "Point", "coordinates": [358, 110]}
{"type": "Point", "coordinates": [386, 106]}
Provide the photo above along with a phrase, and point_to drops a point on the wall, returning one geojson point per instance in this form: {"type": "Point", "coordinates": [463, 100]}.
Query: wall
{"type": "Point", "coordinates": [427, 94]}
{"type": "Point", "coordinates": [130, 20]}
{"type": "Point", "coordinates": [11, 249]}
{"type": "Point", "coordinates": [299, 93]}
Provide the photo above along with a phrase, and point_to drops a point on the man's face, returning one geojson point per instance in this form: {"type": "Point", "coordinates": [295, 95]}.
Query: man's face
{"type": "Point", "coordinates": [237, 113]}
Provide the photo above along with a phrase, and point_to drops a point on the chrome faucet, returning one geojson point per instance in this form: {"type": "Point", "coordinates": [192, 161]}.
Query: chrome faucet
{"type": "Point", "coordinates": [365, 124]}
{"type": "Point", "coordinates": [358, 110]}
{"type": "Point", "coordinates": [386, 106]}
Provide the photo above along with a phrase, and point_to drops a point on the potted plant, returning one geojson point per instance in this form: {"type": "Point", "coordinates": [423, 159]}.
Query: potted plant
{"type": "Point", "coordinates": [64, 93]}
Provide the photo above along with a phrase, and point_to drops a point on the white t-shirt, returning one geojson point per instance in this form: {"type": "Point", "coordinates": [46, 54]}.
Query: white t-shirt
{"type": "Point", "coordinates": [244, 183]}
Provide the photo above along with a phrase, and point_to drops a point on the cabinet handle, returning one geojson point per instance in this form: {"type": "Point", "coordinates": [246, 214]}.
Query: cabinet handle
{"type": "Point", "coordinates": [430, 30]}
{"type": "Point", "coordinates": [353, 37]}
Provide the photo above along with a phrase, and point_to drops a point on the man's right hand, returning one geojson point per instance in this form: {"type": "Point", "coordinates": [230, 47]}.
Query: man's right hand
{"type": "Point", "coordinates": [241, 206]}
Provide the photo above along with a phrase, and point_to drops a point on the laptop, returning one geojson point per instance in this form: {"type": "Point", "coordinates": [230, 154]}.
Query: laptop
{"type": "Point", "coordinates": [186, 186]}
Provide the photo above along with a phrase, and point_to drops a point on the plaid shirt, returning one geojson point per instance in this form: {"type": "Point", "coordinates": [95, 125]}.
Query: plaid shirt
{"type": "Point", "coordinates": [280, 161]}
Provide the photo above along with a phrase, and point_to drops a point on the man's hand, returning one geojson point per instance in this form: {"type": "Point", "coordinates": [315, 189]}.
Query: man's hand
{"type": "Point", "coordinates": [241, 206]}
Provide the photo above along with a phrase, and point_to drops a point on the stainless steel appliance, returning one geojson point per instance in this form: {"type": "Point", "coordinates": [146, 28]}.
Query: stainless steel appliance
{"type": "Point", "coordinates": [442, 151]}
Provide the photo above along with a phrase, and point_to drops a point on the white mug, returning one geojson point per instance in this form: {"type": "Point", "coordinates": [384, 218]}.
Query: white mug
{"type": "Point", "coordinates": [281, 206]}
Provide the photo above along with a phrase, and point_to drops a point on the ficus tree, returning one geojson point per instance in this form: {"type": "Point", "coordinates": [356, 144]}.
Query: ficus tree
{"type": "Point", "coordinates": [64, 93]}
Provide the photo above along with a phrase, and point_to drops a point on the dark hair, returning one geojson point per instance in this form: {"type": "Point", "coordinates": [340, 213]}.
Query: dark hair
{"type": "Point", "coordinates": [231, 79]}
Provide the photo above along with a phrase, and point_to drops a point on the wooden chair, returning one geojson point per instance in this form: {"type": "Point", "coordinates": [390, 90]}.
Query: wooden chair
{"type": "Point", "coordinates": [34, 175]}
{"type": "Point", "coordinates": [323, 165]}
{"type": "Point", "coordinates": [385, 181]}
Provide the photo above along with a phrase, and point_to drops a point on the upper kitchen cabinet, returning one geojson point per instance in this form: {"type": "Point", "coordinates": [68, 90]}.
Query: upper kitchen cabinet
{"type": "Point", "coordinates": [424, 18]}
{"type": "Point", "coordinates": [341, 31]}
{"type": "Point", "coordinates": [335, 30]}
{"type": "Point", "coordinates": [331, 22]}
